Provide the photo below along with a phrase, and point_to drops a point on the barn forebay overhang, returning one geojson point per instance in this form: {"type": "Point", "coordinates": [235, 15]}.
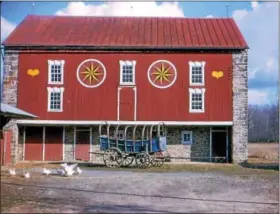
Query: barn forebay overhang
{"type": "Point", "coordinates": [89, 123]}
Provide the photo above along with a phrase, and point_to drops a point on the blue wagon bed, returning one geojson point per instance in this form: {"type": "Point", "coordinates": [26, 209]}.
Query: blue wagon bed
{"type": "Point", "coordinates": [147, 151]}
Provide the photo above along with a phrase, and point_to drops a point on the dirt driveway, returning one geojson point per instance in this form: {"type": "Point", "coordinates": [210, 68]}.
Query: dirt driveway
{"type": "Point", "coordinates": [127, 191]}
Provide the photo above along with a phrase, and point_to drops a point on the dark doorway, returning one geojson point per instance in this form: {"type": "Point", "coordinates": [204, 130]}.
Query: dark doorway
{"type": "Point", "coordinates": [219, 144]}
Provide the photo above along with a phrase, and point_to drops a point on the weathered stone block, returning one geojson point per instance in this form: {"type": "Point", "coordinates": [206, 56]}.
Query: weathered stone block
{"type": "Point", "coordinates": [240, 107]}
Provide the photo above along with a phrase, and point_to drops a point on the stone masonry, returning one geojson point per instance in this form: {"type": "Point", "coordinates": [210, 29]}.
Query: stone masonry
{"type": "Point", "coordinates": [10, 79]}
{"type": "Point", "coordinates": [240, 107]}
{"type": "Point", "coordinates": [15, 153]}
{"type": "Point", "coordinates": [199, 150]}
{"type": "Point", "coordinates": [69, 144]}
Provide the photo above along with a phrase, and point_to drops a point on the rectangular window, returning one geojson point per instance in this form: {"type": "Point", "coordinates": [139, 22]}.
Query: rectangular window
{"type": "Point", "coordinates": [127, 72]}
{"type": "Point", "coordinates": [196, 99]}
{"type": "Point", "coordinates": [196, 73]}
{"type": "Point", "coordinates": [55, 99]}
{"type": "Point", "coordinates": [187, 137]}
{"type": "Point", "coordinates": [56, 70]}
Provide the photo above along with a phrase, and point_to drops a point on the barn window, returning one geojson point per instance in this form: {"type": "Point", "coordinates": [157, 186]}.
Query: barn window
{"type": "Point", "coordinates": [127, 72]}
{"type": "Point", "coordinates": [55, 99]}
{"type": "Point", "coordinates": [186, 137]}
{"type": "Point", "coordinates": [196, 73]}
{"type": "Point", "coordinates": [196, 99]}
{"type": "Point", "coordinates": [56, 70]}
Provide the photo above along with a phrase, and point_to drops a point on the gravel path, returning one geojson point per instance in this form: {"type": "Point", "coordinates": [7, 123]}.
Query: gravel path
{"type": "Point", "coordinates": [124, 191]}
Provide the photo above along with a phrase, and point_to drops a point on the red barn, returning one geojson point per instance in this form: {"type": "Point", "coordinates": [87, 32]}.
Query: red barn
{"type": "Point", "coordinates": [75, 72]}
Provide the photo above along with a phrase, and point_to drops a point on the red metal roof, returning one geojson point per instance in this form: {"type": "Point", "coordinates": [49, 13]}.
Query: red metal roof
{"type": "Point", "coordinates": [145, 32]}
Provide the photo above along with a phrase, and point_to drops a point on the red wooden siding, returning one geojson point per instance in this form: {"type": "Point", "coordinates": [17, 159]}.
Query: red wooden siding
{"type": "Point", "coordinates": [54, 144]}
{"type": "Point", "coordinates": [170, 104]}
{"type": "Point", "coordinates": [82, 147]}
{"type": "Point", "coordinates": [5, 147]}
{"type": "Point", "coordinates": [34, 143]}
{"type": "Point", "coordinates": [126, 103]}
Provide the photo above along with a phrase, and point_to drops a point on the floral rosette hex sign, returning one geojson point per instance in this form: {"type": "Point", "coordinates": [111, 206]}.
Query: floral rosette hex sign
{"type": "Point", "coordinates": [91, 73]}
{"type": "Point", "coordinates": [162, 74]}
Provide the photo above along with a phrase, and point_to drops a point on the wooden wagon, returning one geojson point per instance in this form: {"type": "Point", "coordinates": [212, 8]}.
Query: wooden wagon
{"type": "Point", "coordinates": [145, 152]}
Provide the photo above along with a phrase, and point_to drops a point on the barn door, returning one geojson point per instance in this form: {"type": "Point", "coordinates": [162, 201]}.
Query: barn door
{"type": "Point", "coordinates": [126, 104]}
{"type": "Point", "coordinates": [34, 143]}
{"type": "Point", "coordinates": [82, 147]}
{"type": "Point", "coordinates": [54, 144]}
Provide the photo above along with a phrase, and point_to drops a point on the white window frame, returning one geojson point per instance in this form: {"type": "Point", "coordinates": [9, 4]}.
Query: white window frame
{"type": "Point", "coordinates": [182, 137]}
{"type": "Point", "coordinates": [194, 64]}
{"type": "Point", "coordinates": [55, 89]}
{"type": "Point", "coordinates": [56, 62]}
{"type": "Point", "coordinates": [127, 63]}
{"type": "Point", "coordinates": [197, 91]}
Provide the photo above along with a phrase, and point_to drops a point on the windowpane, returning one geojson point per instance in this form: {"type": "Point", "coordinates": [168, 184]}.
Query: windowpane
{"type": "Point", "coordinates": [55, 101]}
{"type": "Point", "coordinates": [196, 101]}
{"type": "Point", "coordinates": [56, 73]}
{"type": "Point", "coordinates": [127, 73]}
{"type": "Point", "coordinates": [196, 74]}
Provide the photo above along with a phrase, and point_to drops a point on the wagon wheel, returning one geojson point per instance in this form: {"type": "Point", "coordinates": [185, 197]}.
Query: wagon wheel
{"type": "Point", "coordinates": [158, 161]}
{"type": "Point", "coordinates": [143, 160]}
{"type": "Point", "coordinates": [112, 158]}
{"type": "Point", "coordinates": [127, 161]}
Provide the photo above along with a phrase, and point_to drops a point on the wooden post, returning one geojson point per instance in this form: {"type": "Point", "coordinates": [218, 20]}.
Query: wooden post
{"type": "Point", "coordinates": [24, 138]}
{"type": "Point", "coordinates": [44, 138]}
{"type": "Point", "coordinates": [210, 143]}
{"type": "Point", "coordinates": [63, 146]}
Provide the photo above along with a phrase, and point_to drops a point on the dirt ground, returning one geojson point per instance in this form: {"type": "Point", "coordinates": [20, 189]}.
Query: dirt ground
{"type": "Point", "coordinates": [184, 188]}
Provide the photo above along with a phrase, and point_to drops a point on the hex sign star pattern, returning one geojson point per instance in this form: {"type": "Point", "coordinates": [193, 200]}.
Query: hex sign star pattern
{"type": "Point", "coordinates": [91, 73]}
{"type": "Point", "coordinates": [162, 74]}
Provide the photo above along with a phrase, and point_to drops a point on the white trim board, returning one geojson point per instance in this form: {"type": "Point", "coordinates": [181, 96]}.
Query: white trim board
{"type": "Point", "coordinates": [98, 122]}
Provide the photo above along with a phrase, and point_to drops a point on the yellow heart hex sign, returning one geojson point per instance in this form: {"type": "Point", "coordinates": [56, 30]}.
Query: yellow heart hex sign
{"type": "Point", "coordinates": [217, 74]}
{"type": "Point", "coordinates": [33, 72]}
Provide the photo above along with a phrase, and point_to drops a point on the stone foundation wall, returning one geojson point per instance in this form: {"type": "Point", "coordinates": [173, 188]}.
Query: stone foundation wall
{"type": "Point", "coordinates": [240, 107]}
{"type": "Point", "coordinates": [12, 126]}
{"type": "Point", "coordinates": [198, 151]}
{"type": "Point", "coordinates": [69, 144]}
{"type": "Point", "coordinates": [10, 79]}
{"type": "Point", "coordinates": [200, 146]}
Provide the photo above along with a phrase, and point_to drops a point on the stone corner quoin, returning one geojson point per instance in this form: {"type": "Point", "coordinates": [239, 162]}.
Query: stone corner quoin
{"type": "Point", "coordinates": [240, 106]}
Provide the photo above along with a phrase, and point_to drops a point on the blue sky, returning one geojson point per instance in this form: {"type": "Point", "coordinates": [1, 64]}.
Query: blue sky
{"type": "Point", "coordinates": [258, 21]}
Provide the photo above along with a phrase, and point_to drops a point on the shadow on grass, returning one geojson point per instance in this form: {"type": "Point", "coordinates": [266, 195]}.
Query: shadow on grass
{"type": "Point", "coordinates": [264, 166]}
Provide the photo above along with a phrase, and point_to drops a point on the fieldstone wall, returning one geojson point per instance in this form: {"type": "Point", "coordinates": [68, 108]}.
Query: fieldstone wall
{"type": "Point", "coordinates": [10, 79]}
{"type": "Point", "coordinates": [240, 107]}
{"type": "Point", "coordinates": [198, 151]}
{"type": "Point", "coordinates": [20, 152]}
{"type": "Point", "coordinates": [12, 126]}
{"type": "Point", "coordinates": [95, 147]}
{"type": "Point", "coordinates": [69, 144]}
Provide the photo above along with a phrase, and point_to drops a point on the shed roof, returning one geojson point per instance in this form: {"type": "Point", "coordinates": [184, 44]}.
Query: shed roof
{"type": "Point", "coordinates": [127, 32]}
{"type": "Point", "coordinates": [13, 111]}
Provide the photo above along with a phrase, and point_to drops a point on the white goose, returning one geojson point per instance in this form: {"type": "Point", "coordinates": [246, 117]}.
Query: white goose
{"type": "Point", "coordinates": [46, 171]}
{"type": "Point", "coordinates": [69, 169]}
{"type": "Point", "coordinates": [12, 172]}
{"type": "Point", "coordinates": [26, 175]}
{"type": "Point", "coordinates": [79, 171]}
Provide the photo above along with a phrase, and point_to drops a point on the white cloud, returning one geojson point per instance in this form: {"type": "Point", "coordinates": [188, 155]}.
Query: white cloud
{"type": "Point", "coordinates": [209, 16]}
{"type": "Point", "coordinates": [165, 9]}
{"type": "Point", "coordinates": [262, 96]}
{"type": "Point", "coordinates": [6, 28]}
{"type": "Point", "coordinates": [254, 4]}
{"type": "Point", "coordinates": [260, 28]}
